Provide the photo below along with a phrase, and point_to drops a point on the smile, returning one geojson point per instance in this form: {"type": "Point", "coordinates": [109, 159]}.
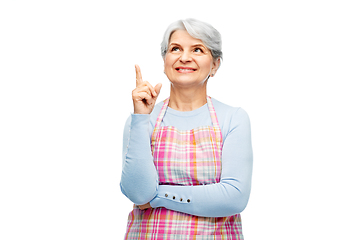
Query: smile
{"type": "Point", "coordinates": [185, 70]}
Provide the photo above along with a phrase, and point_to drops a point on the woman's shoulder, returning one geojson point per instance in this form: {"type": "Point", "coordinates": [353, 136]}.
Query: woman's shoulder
{"type": "Point", "coordinates": [227, 110]}
{"type": "Point", "coordinates": [227, 115]}
{"type": "Point", "coordinates": [153, 115]}
{"type": "Point", "coordinates": [156, 111]}
{"type": "Point", "coordinates": [230, 118]}
{"type": "Point", "coordinates": [157, 108]}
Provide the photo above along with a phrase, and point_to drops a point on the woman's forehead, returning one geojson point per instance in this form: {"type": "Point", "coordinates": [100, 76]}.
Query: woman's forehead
{"type": "Point", "coordinates": [183, 37]}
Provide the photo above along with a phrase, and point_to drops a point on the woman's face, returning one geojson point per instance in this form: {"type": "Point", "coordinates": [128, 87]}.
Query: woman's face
{"type": "Point", "coordinates": [188, 62]}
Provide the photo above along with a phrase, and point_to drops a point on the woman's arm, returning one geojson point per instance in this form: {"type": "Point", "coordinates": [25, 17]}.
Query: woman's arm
{"type": "Point", "coordinates": [231, 194]}
{"type": "Point", "coordinates": [139, 178]}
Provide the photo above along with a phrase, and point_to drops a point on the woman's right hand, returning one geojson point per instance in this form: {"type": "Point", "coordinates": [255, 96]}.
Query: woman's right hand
{"type": "Point", "coordinates": [144, 95]}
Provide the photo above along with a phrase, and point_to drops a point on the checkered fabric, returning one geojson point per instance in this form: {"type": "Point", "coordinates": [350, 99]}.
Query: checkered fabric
{"type": "Point", "coordinates": [190, 157]}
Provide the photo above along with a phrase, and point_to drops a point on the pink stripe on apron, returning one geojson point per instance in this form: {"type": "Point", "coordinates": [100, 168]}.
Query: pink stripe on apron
{"type": "Point", "coordinates": [184, 157]}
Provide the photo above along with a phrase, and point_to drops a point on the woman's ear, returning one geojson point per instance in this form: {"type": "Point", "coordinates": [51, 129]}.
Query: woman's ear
{"type": "Point", "coordinates": [216, 65]}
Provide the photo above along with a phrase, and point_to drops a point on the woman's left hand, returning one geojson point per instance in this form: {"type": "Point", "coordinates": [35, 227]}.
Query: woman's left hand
{"type": "Point", "coordinates": [145, 206]}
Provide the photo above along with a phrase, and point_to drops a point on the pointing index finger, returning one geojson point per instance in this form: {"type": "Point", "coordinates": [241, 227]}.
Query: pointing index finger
{"type": "Point", "coordinates": [138, 75]}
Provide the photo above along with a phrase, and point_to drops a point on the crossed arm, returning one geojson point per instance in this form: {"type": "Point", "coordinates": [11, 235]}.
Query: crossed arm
{"type": "Point", "coordinates": [139, 180]}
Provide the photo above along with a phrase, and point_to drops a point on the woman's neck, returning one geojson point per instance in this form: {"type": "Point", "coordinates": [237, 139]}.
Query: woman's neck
{"type": "Point", "coordinates": [187, 99]}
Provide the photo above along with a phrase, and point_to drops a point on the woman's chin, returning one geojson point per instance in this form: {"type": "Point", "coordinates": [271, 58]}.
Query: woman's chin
{"type": "Point", "coordinates": [187, 81]}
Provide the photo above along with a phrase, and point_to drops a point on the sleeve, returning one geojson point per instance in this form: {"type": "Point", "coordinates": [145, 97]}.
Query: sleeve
{"type": "Point", "coordinates": [139, 178]}
{"type": "Point", "coordinates": [231, 194]}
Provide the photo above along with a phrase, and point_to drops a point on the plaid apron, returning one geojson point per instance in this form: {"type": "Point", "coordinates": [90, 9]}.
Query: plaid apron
{"type": "Point", "coordinates": [184, 157]}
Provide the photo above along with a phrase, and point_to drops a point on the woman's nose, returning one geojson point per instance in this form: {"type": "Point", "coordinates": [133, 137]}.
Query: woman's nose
{"type": "Point", "coordinates": [185, 57]}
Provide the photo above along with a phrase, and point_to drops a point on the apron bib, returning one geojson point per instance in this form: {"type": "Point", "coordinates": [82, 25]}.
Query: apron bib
{"type": "Point", "coordinates": [184, 157]}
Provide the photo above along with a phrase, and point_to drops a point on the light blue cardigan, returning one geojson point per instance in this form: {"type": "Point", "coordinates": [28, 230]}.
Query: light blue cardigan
{"type": "Point", "coordinates": [139, 178]}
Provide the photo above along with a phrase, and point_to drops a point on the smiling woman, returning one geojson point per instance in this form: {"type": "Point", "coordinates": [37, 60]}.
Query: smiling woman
{"type": "Point", "coordinates": [187, 161]}
{"type": "Point", "coordinates": [188, 65]}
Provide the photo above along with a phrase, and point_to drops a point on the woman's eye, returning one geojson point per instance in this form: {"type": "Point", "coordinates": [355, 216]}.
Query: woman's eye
{"type": "Point", "coordinates": [198, 50]}
{"type": "Point", "coordinates": [174, 49]}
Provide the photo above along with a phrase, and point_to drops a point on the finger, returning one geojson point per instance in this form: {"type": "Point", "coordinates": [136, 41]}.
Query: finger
{"type": "Point", "coordinates": [138, 75]}
{"type": "Point", "coordinates": [143, 95]}
{"type": "Point", "coordinates": [149, 87]}
{"type": "Point", "coordinates": [144, 89]}
{"type": "Point", "coordinates": [153, 91]}
{"type": "Point", "coordinates": [157, 88]}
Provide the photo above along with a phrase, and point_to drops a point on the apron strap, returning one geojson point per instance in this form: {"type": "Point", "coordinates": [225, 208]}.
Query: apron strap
{"type": "Point", "coordinates": [213, 116]}
{"type": "Point", "coordinates": [162, 113]}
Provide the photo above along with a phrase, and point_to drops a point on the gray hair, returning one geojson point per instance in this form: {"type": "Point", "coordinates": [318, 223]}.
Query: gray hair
{"type": "Point", "coordinates": [197, 29]}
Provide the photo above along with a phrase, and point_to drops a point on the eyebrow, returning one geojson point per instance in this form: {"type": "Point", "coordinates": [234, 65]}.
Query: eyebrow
{"type": "Point", "coordinates": [195, 45]}
{"type": "Point", "coordinates": [199, 45]}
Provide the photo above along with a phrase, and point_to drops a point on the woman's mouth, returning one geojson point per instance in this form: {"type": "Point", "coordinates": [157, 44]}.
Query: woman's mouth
{"type": "Point", "coordinates": [185, 70]}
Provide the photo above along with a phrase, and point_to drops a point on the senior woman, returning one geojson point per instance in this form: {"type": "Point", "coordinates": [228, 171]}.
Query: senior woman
{"type": "Point", "coordinates": [187, 161]}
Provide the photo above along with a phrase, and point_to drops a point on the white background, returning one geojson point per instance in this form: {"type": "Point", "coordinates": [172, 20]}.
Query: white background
{"type": "Point", "coordinates": [67, 72]}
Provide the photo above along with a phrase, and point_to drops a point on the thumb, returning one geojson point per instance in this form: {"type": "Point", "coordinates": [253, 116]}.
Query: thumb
{"type": "Point", "coordinates": [157, 88]}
